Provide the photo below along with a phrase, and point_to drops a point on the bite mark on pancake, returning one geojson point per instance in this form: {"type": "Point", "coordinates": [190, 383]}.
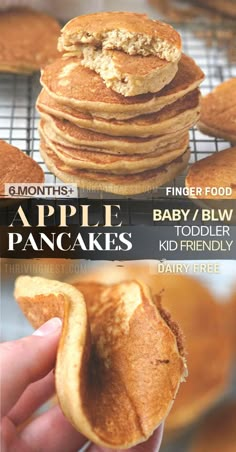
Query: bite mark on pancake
{"type": "Point", "coordinates": [129, 77]}
{"type": "Point", "coordinates": [88, 93]}
{"type": "Point", "coordinates": [131, 33]}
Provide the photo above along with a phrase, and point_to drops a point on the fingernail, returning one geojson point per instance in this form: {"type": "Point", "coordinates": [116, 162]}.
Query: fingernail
{"type": "Point", "coordinates": [50, 327]}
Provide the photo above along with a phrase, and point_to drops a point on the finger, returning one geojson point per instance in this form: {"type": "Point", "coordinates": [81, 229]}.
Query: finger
{"type": "Point", "coordinates": [34, 396]}
{"type": "Point", "coordinates": [152, 445]}
{"type": "Point", "coordinates": [59, 433]}
{"type": "Point", "coordinates": [27, 360]}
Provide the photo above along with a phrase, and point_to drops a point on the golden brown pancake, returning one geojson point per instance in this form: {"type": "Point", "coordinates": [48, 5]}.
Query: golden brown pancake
{"type": "Point", "coordinates": [28, 40]}
{"type": "Point", "coordinates": [180, 114]}
{"type": "Point", "coordinates": [154, 145]}
{"type": "Point", "coordinates": [115, 164]}
{"type": "Point", "coordinates": [70, 84]}
{"type": "Point", "coordinates": [217, 433]}
{"type": "Point", "coordinates": [230, 308]}
{"type": "Point", "coordinates": [204, 328]}
{"type": "Point", "coordinates": [233, 304]}
{"type": "Point", "coordinates": [211, 10]}
{"type": "Point", "coordinates": [118, 184]}
{"type": "Point", "coordinates": [218, 111]}
{"type": "Point", "coordinates": [132, 33]}
{"type": "Point", "coordinates": [16, 167]}
{"type": "Point", "coordinates": [228, 7]}
{"type": "Point", "coordinates": [129, 62]}
{"type": "Point", "coordinates": [200, 317]}
{"type": "Point", "coordinates": [115, 373]}
{"type": "Point", "coordinates": [217, 170]}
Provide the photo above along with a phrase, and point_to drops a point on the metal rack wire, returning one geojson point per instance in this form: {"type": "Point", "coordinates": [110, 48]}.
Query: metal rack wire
{"type": "Point", "coordinates": [19, 119]}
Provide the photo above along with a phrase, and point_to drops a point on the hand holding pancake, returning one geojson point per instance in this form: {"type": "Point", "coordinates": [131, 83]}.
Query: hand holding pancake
{"type": "Point", "coordinates": [120, 356]}
{"type": "Point", "coordinates": [26, 383]}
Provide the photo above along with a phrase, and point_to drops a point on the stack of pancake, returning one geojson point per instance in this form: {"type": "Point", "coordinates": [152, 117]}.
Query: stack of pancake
{"type": "Point", "coordinates": [117, 106]}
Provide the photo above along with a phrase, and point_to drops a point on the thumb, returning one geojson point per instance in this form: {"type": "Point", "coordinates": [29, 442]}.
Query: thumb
{"type": "Point", "coordinates": [27, 360]}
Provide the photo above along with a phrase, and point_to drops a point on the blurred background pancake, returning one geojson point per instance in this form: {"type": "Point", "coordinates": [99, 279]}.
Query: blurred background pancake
{"type": "Point", "coordinates": [189, 9]}
{"type": "Point", "coordinates": [217, 432]}
{"type": "Point", "coordinates": [16, 167]}
{"type": "Point", "coordinates": [28, 40]}
{"type": "Point", "coordinates": [218, 111]}
{"type": "Point", "coordinates": [213, 21]}
{"type": "Point", "coordinates": [231, 316]}
{"type": "Point", "coordinates": [217, 170]}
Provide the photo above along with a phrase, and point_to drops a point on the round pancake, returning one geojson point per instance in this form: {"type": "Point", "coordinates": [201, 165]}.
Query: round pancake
{"type": "Point", "coordinates": [28, 40]}
{"type": "Point", "coordinates": [175, 119]}
{"type": "Point", "coordinates": [75, 86]}
{"type": "Point", "coordinates": [228, 7]}
{"type": "Point", "coordinates": [156, 144]}
{"type": "Point", "coordinates": [129, 76]}
{"type": "Point", "coordinates": [168, 120]}
{"type": "Point", "coordinates": [231, 316]}
{"type": "Point", "coordinates": [16, 167]}
{"type": "Point", "coordinates": [218, 111]}
{"type": "Point", "coordinates": [217, 433]}
{"type": "Point", "coordinates": [115, 164]}
{"type": "Point", "coordinates": [121, 185]}
{"type": "Point", "coordinates": [217, 170]}
{"type": "Point", "coordinates": [130, 32]}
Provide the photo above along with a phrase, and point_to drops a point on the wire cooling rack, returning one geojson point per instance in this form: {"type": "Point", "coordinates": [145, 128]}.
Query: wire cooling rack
{"type": "Point", "coordinates": [19, 119]}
